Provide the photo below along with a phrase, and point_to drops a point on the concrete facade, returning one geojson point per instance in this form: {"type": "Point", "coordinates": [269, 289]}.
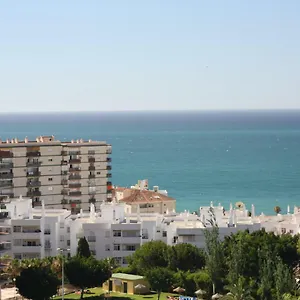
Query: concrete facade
{"type": "Point", "coordinates": [64, 174]}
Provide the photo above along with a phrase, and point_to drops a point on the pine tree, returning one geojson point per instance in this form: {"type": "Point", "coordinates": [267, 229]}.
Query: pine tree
{"type": "Point", "coordinates": [83, 248]}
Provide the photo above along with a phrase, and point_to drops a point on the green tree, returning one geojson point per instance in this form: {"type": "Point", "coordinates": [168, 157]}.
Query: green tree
{"type": "Point", "coordinates": [239, 291]}
{"type": "Point", "coordinates": [185, 257]}
{"type": "Point", "coordinates": [277, 209]}
{"type": "Point", "coordinates": [86, 272]}
{"type": "Point", "coordinates": [284, 281]}
{"type": "Point", "coordinates": [83, 248]}
{"type": "Point", "coordinates": [214, 254]}
{"type": "Point", "coordinates": [160, 279]}
{"type": "Point", "coordinates": [37, 283]}
{"type": "Point", "coordinates": [150, 255]}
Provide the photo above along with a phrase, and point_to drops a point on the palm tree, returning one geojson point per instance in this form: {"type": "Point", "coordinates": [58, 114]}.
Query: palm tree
{"type": "Point", "coordinates": [277, 209]}
{"type": "Point", "coordinates": [239, 291]}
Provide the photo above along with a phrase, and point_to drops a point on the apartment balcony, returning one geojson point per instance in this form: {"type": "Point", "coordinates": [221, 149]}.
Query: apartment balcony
{"type": "Point", "coordinates": [6, 154]}
{"type": "Point", "coordinates": [64, 192]}
{"type": "Point", "coordinates": [47, 231]}
{"type": "Point", "coordinates": [33, 193]}
{"type": "Point", "coordinates": [108, 150]}
{"type": "Point", "coordinates": [64, 162]}
{"type": "Point", "coordinates": [92, 159]}
{"type": "Point", "coordinates": [64, 182]}
{"type": "Point", "coordinates": [108, 159]}
{"type": "Point", "coordinates": [6, 175]}
{"type": "Point", "coordinates": [91, 152]}
{"type": "Point", "coordinates": [92, 192]}
{"type": "Point", "coordinates": [33, 153]}
{"type": "Point", "coordinates": [3, 215]}
{"type": "Point", "coordinates": [109, 191]}
{"type": "Point", "coordinates": [8, 183]}
{"type": "Point", "coordinates": [74, 177]}
{"type": "Point", "coordinates": [64, 201]}
{"type": "Point", "coordinates": [74, 152]}
{"type": "Point", "coordinates": [92, 168]}
{"type": "Point", "coordinates": [8, 165]}
{"type": "Point", "coordinates": [74, 185]}
{"type": "Point", "coordinates": [64, 153]}
{"type": "Point", "coordinates": [33, 174]}
{"type": "Point", "coordinates": [37, 203]}
{"type": "Point", "coordinates": [75, 161]}
{"type": "Point", "coordinates": [33, 183]}
{"type": "Point", "coordinates": [92, 200]}
{"type": "Point", "coordinates": [75, 201]}
{"type": "Point", "coordinates": [108, 167]}
{"type": "Point", "coordinates": [75, 193]}
{"type": "Point", "coordinates": [7, 195]}
{"type": "Point", "coordinates": [74, 170]}
{"type": "Point", "coordinates": [108, 183]}
{"type": "Point", "coordinates": [64, 172]}
{"type": "Point", "coordinates": [91, 176]}
{"type": "Point", "coordinates": [108, 175]}
{"type": "Point", "coordinates": [33, 163]}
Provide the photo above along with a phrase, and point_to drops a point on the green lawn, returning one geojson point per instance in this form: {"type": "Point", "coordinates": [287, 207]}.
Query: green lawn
{"type": "Point", "coordinates": [97, 294]}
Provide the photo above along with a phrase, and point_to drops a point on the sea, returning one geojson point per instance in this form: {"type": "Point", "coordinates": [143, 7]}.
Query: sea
{"type": "Point", "coordinates": [198, 157]}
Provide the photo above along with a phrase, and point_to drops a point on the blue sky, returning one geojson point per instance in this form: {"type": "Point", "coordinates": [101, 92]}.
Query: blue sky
{"type": "Point", "coordinates": [148, 55]}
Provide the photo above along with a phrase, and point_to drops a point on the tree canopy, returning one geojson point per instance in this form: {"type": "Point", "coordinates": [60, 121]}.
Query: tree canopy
{"type": "Point", "coordinates": [86, 272]}
{"type": "Point", "coordinates": [37, 283]}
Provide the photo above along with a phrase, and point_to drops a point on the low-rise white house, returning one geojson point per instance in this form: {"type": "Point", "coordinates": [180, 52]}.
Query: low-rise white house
{"type": "Point", "coordinates": [116, 231]}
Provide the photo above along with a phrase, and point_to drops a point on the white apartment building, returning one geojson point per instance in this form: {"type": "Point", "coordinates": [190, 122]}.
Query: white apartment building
{"type": "Point", "coordinates": [115, 231]}
{"type": "Point", "coordinates": [64, 174]}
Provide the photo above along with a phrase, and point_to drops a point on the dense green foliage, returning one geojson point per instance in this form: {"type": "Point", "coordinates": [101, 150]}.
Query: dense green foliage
{"type": "Point", "coordinates": [86, 272]}
{"type": "Point", "coordinates": [83, 248]}
{"type": "Point", "coordinates": [160, 279]}
{"type": "Point", "coordinates": [37, 283]}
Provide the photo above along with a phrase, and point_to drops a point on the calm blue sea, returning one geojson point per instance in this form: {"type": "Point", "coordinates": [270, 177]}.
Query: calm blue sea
{"type": "Point", "coordinates": [198, 157]}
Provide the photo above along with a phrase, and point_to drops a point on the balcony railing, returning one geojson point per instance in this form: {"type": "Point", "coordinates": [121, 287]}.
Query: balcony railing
{"type": "Point", "coordinates": [64, 201]}
{"type": "Point", "coordinates": [108, 150]}
{"type": "Point", "coordinates": [8, 183]}
{"type": "Point", "coordinates": [75, 201]}
{"type": "Point", "coordinates": [108, 175]}
{"type": "Point", "coordinates": [74, 177]}
{"type": "Point", "coordinates": [73, 170]}
{"type": "Point", "coordinates": [92, 168]}
{"type": "Point", "coordinates": [9, 195]}
{"type": "Point", "coordinates": [75, 193]}
{"type": "Point", "coordinates": [8, 165]}
{"type": "Point", "coordinates": [64, 162]}
{"type": "Point", "coordinates": [33, 163]}
{"type": "Point", "coordinates": [6, 175]}
{"type": "Point", "coordinates": [108, 167]}
{"type": "Point", "coordinates": [36, 203]}
{"type": "Point", "coordinates": [64, 153]}
{"type": "Point", "coordinates": [108, 159]}
{"type": "Point", "coordinates": [30, 245]}
{"type": "Point", "coordinates": [6, 154]}
{"type": "Point", "coordinates": [33, 183]}
{"type": "Point", "coordinates": [92, 200]}
{"type": "Point", "coordinates": [91, 159]}
{"type": "Point", "coordinates": [74, 152]}
{"type": "Point", "coordinates": [91, 176]}
{"type": "Point", "coordinates": [108, 183]}
{"type": "Point", "coordinates": [33, 174]}
{"type": "Point", "coordinates": [75, 161]}
{"type": "Point", "coordinates": [64, 172]}
{"type": "Point", "coordinates": [33, 193]}
{"type": "Point", "coordinates": [74, 185]}
{"type": "Point", "coordinates": [47, 231]}
{"type": "Point", "coordinates": [33, 153]}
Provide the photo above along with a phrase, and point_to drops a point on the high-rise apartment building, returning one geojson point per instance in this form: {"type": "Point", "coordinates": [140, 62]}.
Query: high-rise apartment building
{"type": "Point", "coordinates": [63, 174]}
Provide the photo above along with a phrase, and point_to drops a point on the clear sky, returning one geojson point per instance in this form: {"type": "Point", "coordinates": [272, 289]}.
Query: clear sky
{"type": "Point", "coordinates": [143, 55]}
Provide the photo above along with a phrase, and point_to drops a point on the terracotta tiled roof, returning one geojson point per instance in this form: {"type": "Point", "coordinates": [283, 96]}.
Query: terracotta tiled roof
{"type": "Point", "coordinates": [142, 196]}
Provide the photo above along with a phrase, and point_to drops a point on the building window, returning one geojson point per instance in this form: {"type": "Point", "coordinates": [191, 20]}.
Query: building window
{"type": "Point", "coordinates": [130, 248]}
{"type": "Point", "coordinates": [107, 247]}
{"type": "Point", "coordinates": [291, 231]}
{"type": "Point", "coordinates": [68, 242]}
{"type": "Point", "coordinates": [98, 173]}
{"type": "Point", "coordinates": [164, 234]}
{"type": "Point", "coordinates": [18, 242]}
{"type": "Point", "coordinates": [17, 228]}
{"type": "Point", "coordinates": [283, 230]}
{"type": "Point", "coordinates": [18, 256]}
{"type": "Point", "coordinates": [93, 252]}
{"type": "Point", "coordinates": [117, 233]}
{"type": "Point", "coordinates": [62, 238]}
{"type": "Point", "coordinates": [68, 229]}
{"type": "Point", "coordinates": [125, 262]}
{"type": "Point", "coordinates": [117, 247]}
{"type": "Point", "coordinates": [62, 225]}
{"type": "Point", "coordinates": [50, 179]}
{"type": "Point", "coordinates": [118, 260]}
{"type": "Point", "coordinates": [91, 238]}
{"type": "Point", "coordinates": [49, 159]}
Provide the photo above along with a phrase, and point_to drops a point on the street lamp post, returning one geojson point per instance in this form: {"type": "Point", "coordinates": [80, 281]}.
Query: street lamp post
{"type": "Point", "coordinates": [62, 272]}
